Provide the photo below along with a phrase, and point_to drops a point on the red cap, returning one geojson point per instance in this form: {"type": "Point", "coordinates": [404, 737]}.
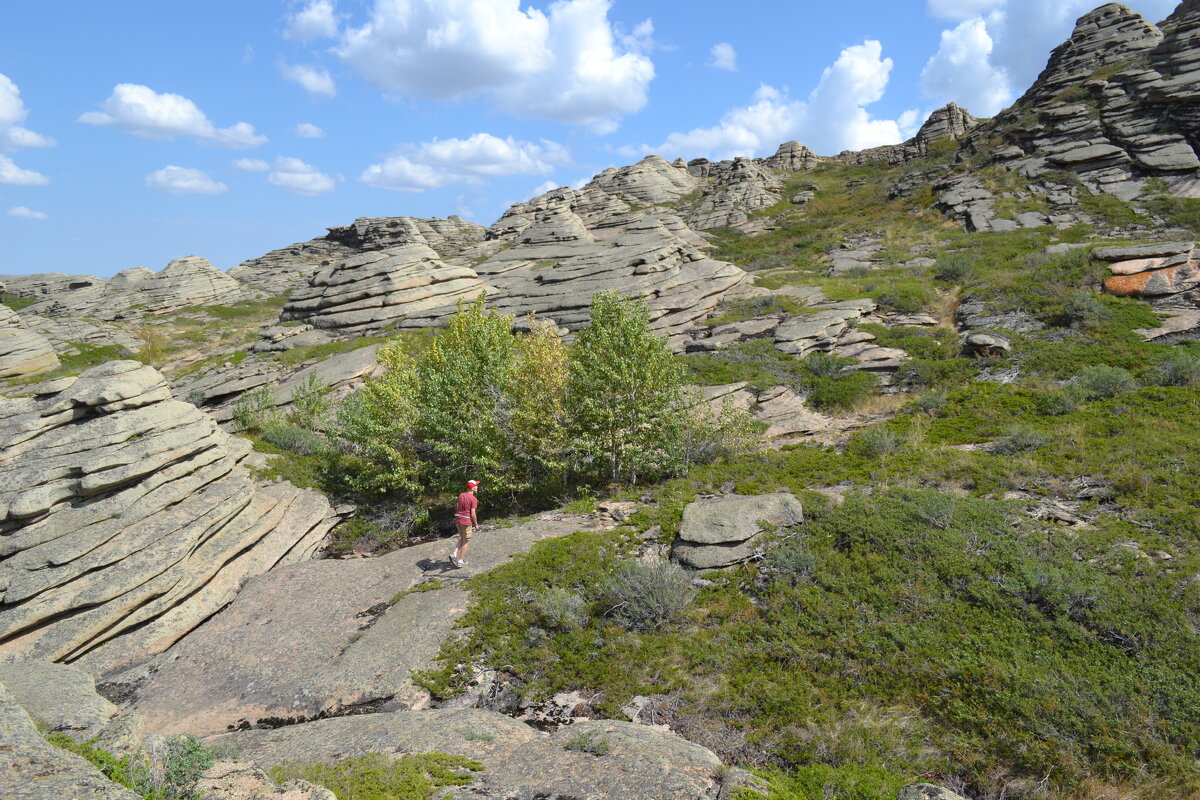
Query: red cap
{"type": "Point", "coordinates": [472, 484]}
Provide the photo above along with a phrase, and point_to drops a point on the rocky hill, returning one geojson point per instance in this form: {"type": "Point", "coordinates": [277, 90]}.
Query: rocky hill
{"type": "Point", "coordinates": [964, 546]}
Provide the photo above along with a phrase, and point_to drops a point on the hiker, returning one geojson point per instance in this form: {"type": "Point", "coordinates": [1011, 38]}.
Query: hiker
{"type": "Point", "coordinates": [467, 521]}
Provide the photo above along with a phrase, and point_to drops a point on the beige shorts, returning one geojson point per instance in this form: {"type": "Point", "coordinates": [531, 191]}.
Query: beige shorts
{"type": "Point", "coordinates": [465, 531]}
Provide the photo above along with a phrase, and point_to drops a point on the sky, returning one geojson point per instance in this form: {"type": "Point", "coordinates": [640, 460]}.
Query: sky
{"type": "Point", "coordinates": [133, 132]}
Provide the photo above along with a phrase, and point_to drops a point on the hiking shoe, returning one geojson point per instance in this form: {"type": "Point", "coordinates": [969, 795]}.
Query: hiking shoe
{"type": "Point", "coordinates": [458, 562]}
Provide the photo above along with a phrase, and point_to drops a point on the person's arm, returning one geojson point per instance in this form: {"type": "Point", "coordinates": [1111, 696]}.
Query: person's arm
{"type": "Point", "coordinates": [474, 516]}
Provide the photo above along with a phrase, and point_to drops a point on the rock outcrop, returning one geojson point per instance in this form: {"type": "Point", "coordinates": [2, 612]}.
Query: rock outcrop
{"type": "Point", "coordinates": [722, 531]}
{"type": "Point", "coordinates": [948, 123]}
{"type": "Point", "coordinates": [33, 769]}
{"type": "Point", "coordinates": [1155, 271]}
{"type": "Point", "coordinates": [23, 351]}
{"type": "Point", "coordinates": [127, 519]}
{"type": "Point", "coordinates": [405, 286]}
{"type": "Point", "coordinates": [59, 696]}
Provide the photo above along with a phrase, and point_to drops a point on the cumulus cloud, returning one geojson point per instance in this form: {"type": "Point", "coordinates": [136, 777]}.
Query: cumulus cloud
{"type": "Point", "coordinates": [999, 46]}
{"type": "Point", "coordinates": [293, 175]}
{"type": "Point", "coordinates": [723, 56]}
{"type": "Point", "coordinates": [315, 21]}
{"type": "Point", "coordinates": [306, 130]}
{"type": "Point", "coordinates": [567, 65]}
{"type": "Point", "coordinates": [250, 165]}
{"type": "Point", "coordinates": [316, 81]}
{"type": "Point", "coordinates": [429, 165]}
{"type": "Point", "coordinates": [25, 213]}
{"type": "Point", "coordinates": [13, 175]}
{"type": "Point", "coordinates": [961, 71]}
{"type": "Point", "coordinates": [541, 189]}
{"type": "Point", "coordinates": [183, 180]}
{"type": "Point", "coordinates": [13, 112]}
{"type": "Point", "coordinates": [833, 117]}
{"type": "Point", "coordinates": [141, 111]}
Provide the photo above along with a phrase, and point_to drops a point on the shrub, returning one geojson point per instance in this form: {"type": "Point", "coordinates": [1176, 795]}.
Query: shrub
{"type": "Point", "coordinates": [824, 365]}
{"type": "Point", "coordinates": [115, 769]}
{"type": "Point", "coordinates": [376, 776]}
{"type": "Point", "coordinates": [932, 402]}
{"type": "Point", "coordinates": [560, 609]}
{"type": "Point", "coordinates": [1056, 402]}
{"type": "Point", "coordinates": [255, 410]}
{"type": "Point", "coordinates": [186, 760]}
{"type": "Point", "coordinates": [792, 559]}
{"type": "Point", "coordinates": [646, 595]}
{"type": "Point", "coordinates": [1019, 439]}
{"type": "Point", "coordinates": [589, 742]}
{"type": "Point", "coordinates": [310, 403]}
{"type": "Point", "coordinates": [952, 267]}
{"type": "Point", "coordinates": [1101, 382]}
{"type": "Point", "coordinates": [875, 442]}
{"type": "Point", "coordinates": [1082, 310]}
{"type": "Point", "coordinates": [293, 439]}
{"type": "Point", "coordinates": [1181, 368]}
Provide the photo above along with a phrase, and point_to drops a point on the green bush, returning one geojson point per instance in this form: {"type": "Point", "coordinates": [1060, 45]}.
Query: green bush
{"type": "Point", "coordinates": [1019, 439]}
{"type": "Point", "coordinates": [378, 776]}
{"type": "Point", "coordinates": [293, 439]}
{"type": "Point", "coordinates": [310, 403]}
{"type": "Point", "coordinates": [115, 769]}
{"type": "Point", "coordinates": [875, 442]}
{"type": "Point", "coordinates": [255, 410]}
{"type": "Point", "coordinates": [589, 742]}
{"type": "Point", "coordinates": [1082, 310]}
{"type": "Point", "coordinates": [1056, 402]}
{"type": "Point", "coordinates": [1180, 368]}
{"type": "Point", "coordinates": [952, 267]}
{"type": "Point", "coordinates": [169, 775]}
{"type": "Point", "coordinates": [560, 608]}
{"type": "Point", "coordinates": [1101, 382]}
{"type": "Point", "coordinates": [644, 595]}
{"type": "Point", "coordinates": [792, 559]}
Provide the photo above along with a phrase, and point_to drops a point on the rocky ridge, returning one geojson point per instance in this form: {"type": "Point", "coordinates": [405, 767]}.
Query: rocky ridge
{"type": "Point", "coordinates": [127, 518]}
{"type": "Point", "coordinates": [23, 351]}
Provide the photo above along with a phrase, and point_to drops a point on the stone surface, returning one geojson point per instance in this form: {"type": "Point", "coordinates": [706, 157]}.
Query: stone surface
{"type": "Point", "coordinates": [718, 532]}
{"type": "Point", "coordinates": [126, 519]}
{"type": "Point", "coordinates": [927, 791]}
{"type": "Point", "coordinates": [23, 351]}
{"type": "Point", "coordinates": [642, 763]}
{"type": "Point", "coordinates": [58, 695]}
{"type": "Point", "coordinates": [1155, 282]}
{"type": "Point", "coordinates": [65, 333]}
{"type": "Point", "coordinates": [33, 769]}
{"type": "Point", "coordinates": [274, 656]}
{"type": "Point", "coordinates": [232, 780]}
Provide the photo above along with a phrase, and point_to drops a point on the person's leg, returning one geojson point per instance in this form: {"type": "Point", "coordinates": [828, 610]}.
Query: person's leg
{"type": "Point", "coordinates": [464, 541]}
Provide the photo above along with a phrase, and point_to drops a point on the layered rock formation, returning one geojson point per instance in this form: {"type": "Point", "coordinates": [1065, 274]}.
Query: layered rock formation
{"type": "Point", "coordinates": [127, 518]}
{"type": "Point", "coordinates": [291, 267]}
{"type": "Point", "coordinates": [23, 351]}
{"type": "Point", "coordinates": [1158, 271]}
{"type": "Point", "coordinates": [722, 531]}
{"type": "Point", "coordinates": [949, 123]}
{"type": "Point", "coordinates": [185, 282]}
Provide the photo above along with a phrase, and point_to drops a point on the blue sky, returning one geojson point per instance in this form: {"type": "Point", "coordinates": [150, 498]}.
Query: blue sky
{"type": "Point", "coordinates": [137, 131]}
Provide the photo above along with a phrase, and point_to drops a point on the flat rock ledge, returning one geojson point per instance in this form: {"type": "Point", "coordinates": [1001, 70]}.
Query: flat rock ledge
{"type": "Point", "coordinates": [127, 519]}
{"type": "Point", "coordinates": [722, 531]}
{"type": "Point", "coordinates": [23, 351]}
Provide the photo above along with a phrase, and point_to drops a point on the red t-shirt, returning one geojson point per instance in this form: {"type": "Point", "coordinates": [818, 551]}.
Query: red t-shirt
{"type": "Point", "coordinates": [467, 502]}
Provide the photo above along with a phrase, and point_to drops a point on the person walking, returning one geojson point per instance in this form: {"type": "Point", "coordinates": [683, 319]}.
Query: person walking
{"type": "Point", "coordinates": [467, 520]}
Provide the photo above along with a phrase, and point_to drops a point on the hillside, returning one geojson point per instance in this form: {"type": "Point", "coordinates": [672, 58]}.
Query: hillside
{"type": "Point", "coordinates": [917, 503]}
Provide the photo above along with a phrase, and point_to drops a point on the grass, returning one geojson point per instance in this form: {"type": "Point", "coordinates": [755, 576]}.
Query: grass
{"type": "Point", "coordinates": [17, 302]}
{"type": "Point", "coordinates": [416, 339]}
{"type": "Point", "coordinates": [378, 776]}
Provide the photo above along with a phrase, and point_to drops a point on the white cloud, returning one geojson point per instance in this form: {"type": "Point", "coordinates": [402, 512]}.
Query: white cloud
{"type": "Point", "coordinates": [306, 130]}
{"type": "Point", "coordinates": [12, 112]}
{"type": "Point", "coordinates": [250, 165]}
{"type": "Point", "coordinates": [960, 9]}
{"type": "Point", "coordinates": [833, 117]}
{"type": "Point", "coordinates": [314, 80]}
{"type": "Point", "coordinates": [25, 213]}
{"type": "Point", "coordinates": [13, 175]}
{"type": "Point", "coordinates": [961, 71]}
{"type": "Point", "coordinates": [183, 180]}
{"type": "Point", "coordinates": [542, 188]}
{"type": "Point", "coordinates": [432, 164]}
{"type": "Point", "coordinates": [293, 175]}
{"type": "Point", "coordinates": [141, 111]}
{"type": "Point", "coordinates": [723, 56]}
{"type": "Point", "coordinates": [316, 20]}
{"type": "Point", "coordinates": [569, 65]}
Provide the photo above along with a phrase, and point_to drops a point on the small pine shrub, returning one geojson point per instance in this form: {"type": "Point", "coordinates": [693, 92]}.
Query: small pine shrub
{"type": "Point", "coordinates": [560, 609]}
{"type": "Point", "coordinates": [1056, 402]}
{"type": "Point", "coordinates": [293, 439]}
{"type": "Point", "coordinates": [875, 442]}
{"type": "Point", "coordinates": [1019, 439]}
{"type": "Point", "coordinates": [952, 267]}
{"type": "Point", "coordinates": [255, 410]}
{"type": "Point", "coordinates": [824, 365]}
{"type": "Point", "coordinates": [1101, 382]}
{"type": "Point", "coordinates": [792, 559]}
{"type": "Point", "coordinates": [1082, 310]}
{"type": "Point", "coordinates": [589, 742]}
{"type": "Point", "coordinates": [643, 595]}
{"type": "Point", "coordinates": [1181, 368]}
{"type": "Point", "coordinates": [310, 403]}
{"type": "Point", "coordinates": [186, 760]}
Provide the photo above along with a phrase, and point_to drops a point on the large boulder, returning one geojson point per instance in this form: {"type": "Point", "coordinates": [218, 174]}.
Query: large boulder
{"type": "Point", "coordinates": [23, 351]}
{"type": "Point", "coordinates": [60, 696]}
{"type": "Point", "coordinates": [33, 769]}
{"type": "Point", "coordinates": [127, 518]}
{"type": "Point", "coordinates": [591, 760]}
{"type": "Point", "coordinates": [721, 531]}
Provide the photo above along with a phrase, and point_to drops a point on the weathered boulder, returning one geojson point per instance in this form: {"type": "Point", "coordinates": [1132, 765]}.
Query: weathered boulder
{"type": "Point", "coordinates": [126, 519]}
{"type": "Point", "coordinates": [23, 351]}
{"type": "Point", "coordinates": [60, 696]}
{"type": "Point", "coordinates": [983, 344]}
{"type": "Point", "coordinates": [740, 187]}
{"type": "Point", "coordinates": [1155, 282]}
{"type": "Point", "coordinates": [33, 769]}
{"type": "Point", "coordinates": [651, 181]}
{"type": "Point", "coordinates": [719, 532]}
{"type": "Point", "coordinates": [792, 157]}
{"type": "Point", "coordinates": [625, 760]}
{"type": "Point", "coordinates": [405, 286]}
{"type": "Point", "coordinates": [232, 780]}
